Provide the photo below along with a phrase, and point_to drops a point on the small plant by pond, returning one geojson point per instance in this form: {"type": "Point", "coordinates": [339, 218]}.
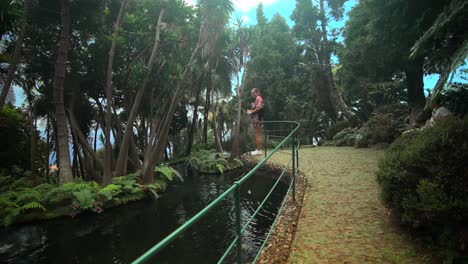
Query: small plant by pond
{"type": "Point", "coordinates": [21, 201]}
{"type": "Point", "coordinates": [205, 159]}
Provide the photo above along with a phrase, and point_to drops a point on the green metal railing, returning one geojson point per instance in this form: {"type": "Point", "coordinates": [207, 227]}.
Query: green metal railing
{"type": "Point", "coordinates": [235, 191]}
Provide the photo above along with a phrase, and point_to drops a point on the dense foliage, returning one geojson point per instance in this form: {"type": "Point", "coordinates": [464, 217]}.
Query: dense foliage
{"type": "Point", "coordinates": [206, 160]}
{"type": "Point", "coordinates": [22, 201]}
{"type": "Point", "coordinates": [424, 179]}
{"type": "Point", "coordinates": [15, 146]}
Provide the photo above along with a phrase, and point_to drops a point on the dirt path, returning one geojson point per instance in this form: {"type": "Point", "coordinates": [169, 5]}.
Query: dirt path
{"type": "Point", "coordinates": [343, 219]}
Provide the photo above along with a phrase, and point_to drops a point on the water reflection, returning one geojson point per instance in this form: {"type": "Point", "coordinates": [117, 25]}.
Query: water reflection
{"type": "Point", "coordinates": [122, 234]}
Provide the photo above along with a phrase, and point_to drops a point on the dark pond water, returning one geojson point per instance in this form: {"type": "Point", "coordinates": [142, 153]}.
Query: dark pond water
{"type": "Point", "coordinates": [122, 234]}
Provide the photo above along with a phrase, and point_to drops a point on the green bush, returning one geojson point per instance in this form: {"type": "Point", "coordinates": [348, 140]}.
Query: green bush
{"type": "Point", "coordinates": [16, 142]}
{"type": "Point", "coordinates": [212, 162]}
{"type": "Point", "coordinates": [20, 198]}
{"type": "Point", "coordinates": [424, 178]}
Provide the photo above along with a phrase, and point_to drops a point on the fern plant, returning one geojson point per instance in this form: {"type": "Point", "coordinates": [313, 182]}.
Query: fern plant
{"type": "Point", "coordinates": [210, 161]}
{"type": "Point", "coordinates": [110, 191]}
{"type": "Point", "coordinates": [168, 172]}
{"type": "Point", "coordinates": [128, 183]}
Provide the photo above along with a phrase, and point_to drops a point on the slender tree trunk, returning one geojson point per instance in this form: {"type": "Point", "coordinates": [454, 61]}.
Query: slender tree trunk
{"type": "Point", "coordinates": [65, 170]}
{"type": "Point", "coordinates": [415, 84]}
{"type": "Point", "coordinates": [157, 151]}
{"type": "Point", "coordinates": [236, 144]}
{"type": "Point", "coordinates": [335, 98]}
{"type": "Point", "coordinates": [193, 125]}
{"type": "Point", "coordinates": [32, 123]}
{"type": "Point", "coordinates": [107, 177]}
{"type": "Point", "coordinates": [95, 143]}
{"type": "Point", "coordinates": [207, 106]}
{"type": "Point", "coordinates": [47, 169]}
{"type": "Point", "coordinates": [218, 146]}
{"type": "Point", "coordinates": [75, 156]}
{"type": "Point", "coordinates": [439, 85]}
{"type": "Point", "coordinates": [82, 138]}
{"type": "Point", "coordinates": [123, 153]}
{"type": "Point", "coordinates": [134, 159]}
{"type": "Point", "coordinates": [16, 55]}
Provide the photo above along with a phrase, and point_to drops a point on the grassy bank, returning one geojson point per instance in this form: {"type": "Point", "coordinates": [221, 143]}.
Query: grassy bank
{"type": "Point", "coordinates": [343, 219]}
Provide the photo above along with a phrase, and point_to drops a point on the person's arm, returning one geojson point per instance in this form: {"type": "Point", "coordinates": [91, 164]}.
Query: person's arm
{"type": "Point", "coordinates": [259, 104]}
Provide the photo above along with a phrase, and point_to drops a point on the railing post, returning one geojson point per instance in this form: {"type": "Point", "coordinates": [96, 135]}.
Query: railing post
{"type": "Point", "coordinates": [238, 223]}
{"type": "Point", "coordinates": [297, 157]}
{"type": "Point", "coordinates": [294, 167]}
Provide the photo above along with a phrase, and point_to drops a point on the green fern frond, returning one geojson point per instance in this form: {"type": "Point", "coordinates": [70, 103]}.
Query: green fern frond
{"type": "Point", "coordinates": [28, 195]}
{"type": "Point", "coordinates": [220, 168]}
{"type": "Point", "coordinates": [168, 172]}
{"type": "Point", "coordinates": [31, 206]}
{"type": "Point", "coordinates": [84, 198]}
{"type": "Point", "coordinates": [110, 191]}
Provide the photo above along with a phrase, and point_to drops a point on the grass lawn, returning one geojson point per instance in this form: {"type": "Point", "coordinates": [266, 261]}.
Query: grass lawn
{"type": "Point", "coordinates": [343, 219]}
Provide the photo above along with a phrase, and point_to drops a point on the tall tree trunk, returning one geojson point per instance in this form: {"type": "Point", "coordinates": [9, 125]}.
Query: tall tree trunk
{"type": "Point", "coordinates": [95, 143]}
{"type": "Point", "coordinates": [32, 131]}
{"type": "Point", "coordinates": [439, 85]}
{"type": "Point", "coordinates": [65, 170]}
{"type": "Point", "coordinates": [16, 55]}
{"type": "Point", "coordinates": [123, 153]}
{"type": "Point", "coordinates": [236, 143]}
{"type": "Point", "coordinates": [415, 84]}
{"type": "Point", "coordinates": [335, 98]}
{"type": "Point", "coordinates": [47, 169]}
{"type": "Point", "coordinates": [193, 125]}
{"type": "Point", "coordinates": [207, 106]}
{"type": "Point", "coordinates": [82, 138]}
{"type": "Point", "coordinates": [217, 134]}
{"type": "Point", "coordinates": [153, 156]}
{"type": "Point", "coordinates": [107, 177]}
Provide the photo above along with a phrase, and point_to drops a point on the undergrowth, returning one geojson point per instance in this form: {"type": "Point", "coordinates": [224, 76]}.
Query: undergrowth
{"type": "Point", "coordinates": [206, 160]}
{"type": "Point", "coordinates": [20, 199]}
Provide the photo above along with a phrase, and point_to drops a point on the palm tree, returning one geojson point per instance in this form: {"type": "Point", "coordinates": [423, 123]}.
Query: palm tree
{"type": "Point", "coordinates": [107, 156]}
{"type": "Point", "coordinates": [65, 170]}
{"type": "Point", "coordinates": [209, 10]}
{"type": "Point", "coordinates": [241, 56]}
{"type": "Point", "coordinates": [16, 52]}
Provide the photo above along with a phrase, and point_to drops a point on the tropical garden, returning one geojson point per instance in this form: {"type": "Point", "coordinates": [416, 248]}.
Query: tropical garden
{"type": "Point", "coordinates": [100, 98]}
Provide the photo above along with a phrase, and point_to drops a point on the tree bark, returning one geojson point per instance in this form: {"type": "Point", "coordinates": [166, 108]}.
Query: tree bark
{"type": "Point", "coordinates": [335, 98]}
{"type": "Point", "coordinates": [32, 131]}
{"type": "Point", "coordinates": [107, 177]}
{"type": "Point", "coordinates": [65, 170]}
{"type": "Point", "coordinates": [236, 143]}
{"type": "Point", "coordinates": [47, 170]}
{"type": "Point", "coordinates": [95, 143]}
{"type": "Point", "coordinates": [207, 107]}
{"type": "Point", "coordinates": [415, 84]}
{"type": "Point", "coordinates": [153, 156]}
{"type": "Point", "coordinates": [16, 56]}
{"type": "Point", "coordinates": [82, 138]}
{"type": "Point", "coordinates": [193, 125]}
{"type": "Point", "coordinates": [217, 134]}
{"type": "Point", "coordinates": [123, 153]}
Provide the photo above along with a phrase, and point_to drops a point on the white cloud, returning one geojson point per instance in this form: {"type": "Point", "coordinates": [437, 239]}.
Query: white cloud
{"type": "Point", "coordinates": [246, 5]}
{"type": "Point", "coordinates": [246, 19]}
{"type": "Point", "coordinates": [190, 2]}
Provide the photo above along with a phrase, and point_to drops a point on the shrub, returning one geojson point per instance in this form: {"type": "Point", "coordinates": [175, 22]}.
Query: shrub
{"type": "Point", "coordinates": [424, 178]}
{"type": "Point", "coordinates": [209, 161]}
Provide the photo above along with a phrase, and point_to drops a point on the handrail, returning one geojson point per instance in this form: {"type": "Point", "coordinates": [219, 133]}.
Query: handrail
{"type": "Point", "coordinates": [235, 190]}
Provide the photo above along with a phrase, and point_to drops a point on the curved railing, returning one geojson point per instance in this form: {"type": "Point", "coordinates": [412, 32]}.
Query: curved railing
{"type": "Point", "coordinates": [235, 191]}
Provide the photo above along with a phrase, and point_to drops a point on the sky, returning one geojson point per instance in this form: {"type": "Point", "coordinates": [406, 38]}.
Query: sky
{"type": "Point", "coordinates": [246, 9]}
